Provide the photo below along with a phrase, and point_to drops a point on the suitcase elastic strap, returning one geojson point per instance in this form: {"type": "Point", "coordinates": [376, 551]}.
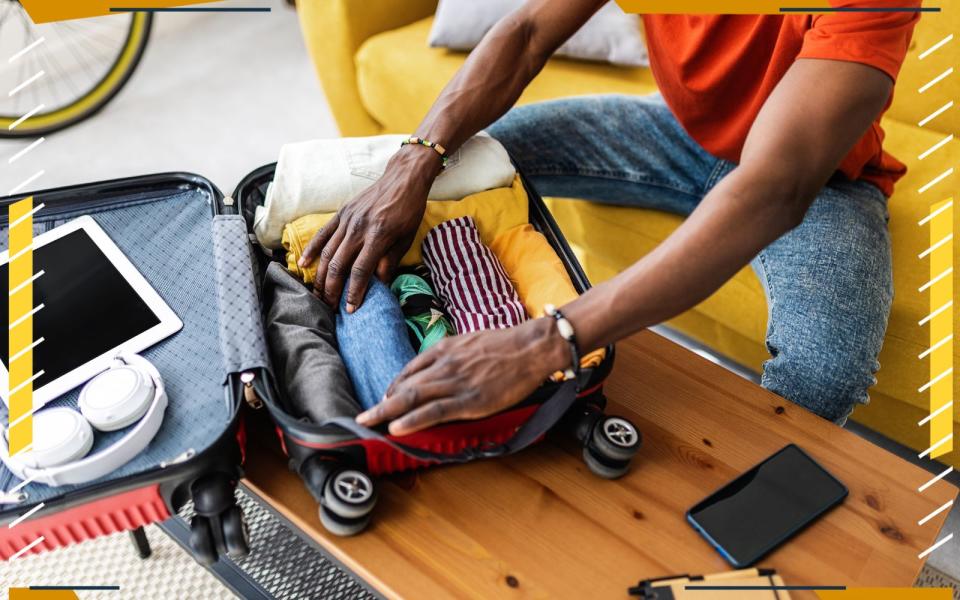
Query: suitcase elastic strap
{"type": "Point", "coordinates": [545, 417]}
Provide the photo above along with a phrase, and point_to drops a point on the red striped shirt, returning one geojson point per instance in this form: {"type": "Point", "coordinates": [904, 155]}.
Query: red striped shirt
{"type": "Point", "coordinates": [469, 278]}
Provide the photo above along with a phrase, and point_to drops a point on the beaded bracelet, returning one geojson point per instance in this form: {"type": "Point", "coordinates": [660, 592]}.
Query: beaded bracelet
{"type": "Point", "coordinates": [422, 142]}
{"type": "Point", "coordinates": [567, 333]}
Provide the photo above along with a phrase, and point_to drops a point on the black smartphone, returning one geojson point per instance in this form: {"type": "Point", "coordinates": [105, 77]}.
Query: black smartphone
{"type": "Point", "coordinates": [764, 507]}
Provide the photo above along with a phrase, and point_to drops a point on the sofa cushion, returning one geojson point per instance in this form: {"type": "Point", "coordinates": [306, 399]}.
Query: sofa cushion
{"type": "Point", "coordinates": [399, 77]}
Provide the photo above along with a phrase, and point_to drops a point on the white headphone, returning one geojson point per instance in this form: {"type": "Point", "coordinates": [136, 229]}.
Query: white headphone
{"type": "Point", "coordinates": [130, 390]}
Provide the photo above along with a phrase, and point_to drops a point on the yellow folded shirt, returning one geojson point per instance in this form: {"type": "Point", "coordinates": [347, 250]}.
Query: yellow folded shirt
{"type": "Point", "coordinates": [494, 211]}
{"type": "Point", "coordinates": [538, 275]}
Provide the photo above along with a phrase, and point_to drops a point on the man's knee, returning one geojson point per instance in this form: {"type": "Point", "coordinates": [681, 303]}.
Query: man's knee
{"type": "Point", "coordinates": [829, 382]}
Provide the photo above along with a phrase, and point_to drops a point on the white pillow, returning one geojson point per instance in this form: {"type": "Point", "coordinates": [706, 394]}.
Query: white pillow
{"type": "Point", "coordinates": [610, 35]}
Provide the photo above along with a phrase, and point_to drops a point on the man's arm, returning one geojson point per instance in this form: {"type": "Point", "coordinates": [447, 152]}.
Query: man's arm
{"type": "Point", "coordinates": [806, 127]}
{"type": "Point", "coordinates": [375, 229]}
{"type": "Point", "coordinates": [811, 121]}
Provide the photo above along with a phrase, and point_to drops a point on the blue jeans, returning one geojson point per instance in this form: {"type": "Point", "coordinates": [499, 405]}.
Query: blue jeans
{"type": "Point", "coordinates": [373, 342]}
{"type": "Point", "coordinates": [828, 282]}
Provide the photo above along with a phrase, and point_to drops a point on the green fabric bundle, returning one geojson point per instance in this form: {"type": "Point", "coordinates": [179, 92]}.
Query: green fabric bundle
{"type": "Point", "coordinates": [422, 309]}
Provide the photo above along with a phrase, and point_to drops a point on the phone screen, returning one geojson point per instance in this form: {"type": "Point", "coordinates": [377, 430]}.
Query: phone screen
{"type": "Point", "coordinates": [760, 509]}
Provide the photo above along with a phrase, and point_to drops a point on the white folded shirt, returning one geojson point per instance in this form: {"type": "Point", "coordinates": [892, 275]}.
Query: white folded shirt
{"type": "Point", "coordinates": [322, 175]}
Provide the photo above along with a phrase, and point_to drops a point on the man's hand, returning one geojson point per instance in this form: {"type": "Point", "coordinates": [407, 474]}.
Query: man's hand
{"type": "Point", "coordinates": [372, 232]}
{"type": "Point", "coordinates": [471, 376]}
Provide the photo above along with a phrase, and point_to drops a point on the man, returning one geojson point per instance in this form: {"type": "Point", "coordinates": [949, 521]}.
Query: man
{"type": "Point", "coordinates": [766, 135]}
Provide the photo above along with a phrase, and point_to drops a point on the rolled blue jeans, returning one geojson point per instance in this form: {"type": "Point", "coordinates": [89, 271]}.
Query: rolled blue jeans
{"type": "Point", "coordinates": [828, 282]}
{"type": "Point", "coordinates": [373, 342]}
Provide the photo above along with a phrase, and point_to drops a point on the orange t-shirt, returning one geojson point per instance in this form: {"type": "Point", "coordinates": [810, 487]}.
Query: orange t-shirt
{"type": "Point", "coordinates": [716, 72]}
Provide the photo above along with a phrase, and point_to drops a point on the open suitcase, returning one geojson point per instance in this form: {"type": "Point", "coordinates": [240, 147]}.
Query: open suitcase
{"type": "Point", "coordinates": [182, 236]}
{"type": "Point", "coordinates": [337, 459]}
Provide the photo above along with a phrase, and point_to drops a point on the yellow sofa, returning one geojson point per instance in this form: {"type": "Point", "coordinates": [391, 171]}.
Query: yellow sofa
{"type": "Point", "coordinates": [379, 76]}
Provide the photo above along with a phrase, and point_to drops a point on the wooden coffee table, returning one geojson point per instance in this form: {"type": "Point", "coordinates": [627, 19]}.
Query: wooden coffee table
{"type": "Point", "coordinates": [539, 524]}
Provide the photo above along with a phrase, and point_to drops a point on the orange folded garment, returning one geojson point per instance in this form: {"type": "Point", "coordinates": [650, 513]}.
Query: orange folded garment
{"type": "Point", "coordinates": [538, 275]}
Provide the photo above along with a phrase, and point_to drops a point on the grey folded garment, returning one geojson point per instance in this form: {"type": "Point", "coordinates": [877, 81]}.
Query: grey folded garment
{"type": "Point", "coordinates": [301, 333]}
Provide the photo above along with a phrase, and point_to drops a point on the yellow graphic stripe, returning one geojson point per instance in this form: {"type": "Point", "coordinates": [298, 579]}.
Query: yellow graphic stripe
{"type": "Point", "coordinates": [29, 594]}
{"type": "Point", "coordinates": [45, 11]}
{"type": "Point", "coordinates": [885, 594]}
{"type": "Point", "coordinates": [729, 7]}
{"type": "Point", "coordinates": [941, 327]}
{"type": "Point", "coordinates": [20, 324]}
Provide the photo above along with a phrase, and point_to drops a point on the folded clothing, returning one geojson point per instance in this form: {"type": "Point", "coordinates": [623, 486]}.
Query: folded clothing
{"type": "Point", "coordinates": [538, 275]}
{"type": "Point", "coordinates": [320, 176]}
{"type": "Point", "coordinates": [476, 291]}
{"type": "Point", "coordinates": [494, 211]}
{"type": "Point", "coordinates": [421, 308]}
{"type": "Point", "coordinates": [373, 342]}
{"type": "Point", "coordinates": [303, 346]}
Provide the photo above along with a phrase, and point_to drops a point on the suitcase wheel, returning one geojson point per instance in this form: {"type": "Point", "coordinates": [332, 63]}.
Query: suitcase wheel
{"type": "Point", "coordinates": [201, 541]}
{"type": "Point", "coordinates": [349, 496]}
{"type": "Point", "coordinates": [611, 446]}
{"type": "Point", "coordinates": [236, 535]}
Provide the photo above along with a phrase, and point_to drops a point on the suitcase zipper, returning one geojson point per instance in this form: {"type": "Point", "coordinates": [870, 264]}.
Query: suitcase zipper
{"type": "Point", "coordinates": [182, 457]}
{"type": "Point", "coordinates": [249, 393]}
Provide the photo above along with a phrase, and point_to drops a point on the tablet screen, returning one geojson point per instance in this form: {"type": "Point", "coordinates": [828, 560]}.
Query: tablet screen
{"type": "Point", "coordinates": [88, 306]}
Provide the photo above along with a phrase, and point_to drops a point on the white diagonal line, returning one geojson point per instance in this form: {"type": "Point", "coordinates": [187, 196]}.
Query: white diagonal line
{"type": "Point", "coordinates": [935, 546]}
{"type": "Point", "coordinates": [35, 277]}
{"type": "Point", "coordinates": [33, 45]}
{"type": "Point", "coordinates": [32, 312]}
{"type": "Point", "coordinates": [25, 182]}
{"type": "Point", "coordinates": [26, 116]}
{"type": "Point", "coordinates": [935, 414]}
{"type": "Point", "coordinates": [927, 318]}
{"type": "Point", "coordinates": [23, 218]}
{"type": "Point", "coordinates": [20, 253]}
{"type": "Point", "coordinates": [21, 418]}
{"type": "Point", "coordinates": [926, 352]}
{"type": "Point", "coordinates": [934, 381]}
{"type": "Point", "coordinates": [35, 77]}
{"type": "Point", "coordinates": [24, 516]}
{"type": "Point", "coordinates": [27, 548]}
{"type": "Point", "coordinates": [946, 505]}
{"type": "Point", "coordinates": [36, 143]}
{"type": "Point", "coordinates": [942, 441]}
{"type": "Point", "coordinates": [23, 352]}
{"type": "Point", "coordinates": [946, 239]}
{"type": "Point", "coordinates": [20, 485]}
{"type": "Point", "coordinates": [933, 281]}
{"type": "Point", "coordinates": [932, 149]}
{"type": "Point", "coordinates": [937, 180]}
{"type": "Point", "coordinates": [932, 215]}
{"type": "Point", "coordinates": [946, 472]}
{"type": "Point", "coordinates": [936, 113]}
{"type": "Point", "coordinates": [936, 46]}
{"type": "Point", "coordinates": [936, 80]}
{"type": "Point", "coordinates": [23, 450]}
{"type": "Point", "coordinates": [21, 386]}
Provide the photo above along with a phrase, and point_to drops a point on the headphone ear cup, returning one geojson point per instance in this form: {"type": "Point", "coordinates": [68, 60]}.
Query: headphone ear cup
{"type": "Point", "coordinates": [66, 437]}
{"type": "Point", "coordinates": [117, 398]}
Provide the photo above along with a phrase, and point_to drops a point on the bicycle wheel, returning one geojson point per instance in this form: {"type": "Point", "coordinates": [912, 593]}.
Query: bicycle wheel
{"type": "Point", "coordinates": [71, 70]}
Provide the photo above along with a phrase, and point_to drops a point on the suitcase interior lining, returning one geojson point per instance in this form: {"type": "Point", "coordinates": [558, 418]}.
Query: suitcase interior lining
{"type": "Point", "coordinates": [168, 238]}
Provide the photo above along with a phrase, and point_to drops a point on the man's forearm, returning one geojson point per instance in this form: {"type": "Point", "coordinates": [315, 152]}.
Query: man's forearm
{"type": "Point", "coordinates": [500, 68]}
{"type": "Point", "coordinates": [791, 152]}
{"type": "Point", "coordinates": [736, 220]}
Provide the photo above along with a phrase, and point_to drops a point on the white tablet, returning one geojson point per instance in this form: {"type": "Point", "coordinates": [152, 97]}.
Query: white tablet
{"type": "Point", "coordinates": [95, 304]}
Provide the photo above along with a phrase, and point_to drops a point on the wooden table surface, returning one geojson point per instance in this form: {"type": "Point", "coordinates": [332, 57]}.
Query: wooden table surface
{"type": "Point", "coordinates": [539, 524]}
